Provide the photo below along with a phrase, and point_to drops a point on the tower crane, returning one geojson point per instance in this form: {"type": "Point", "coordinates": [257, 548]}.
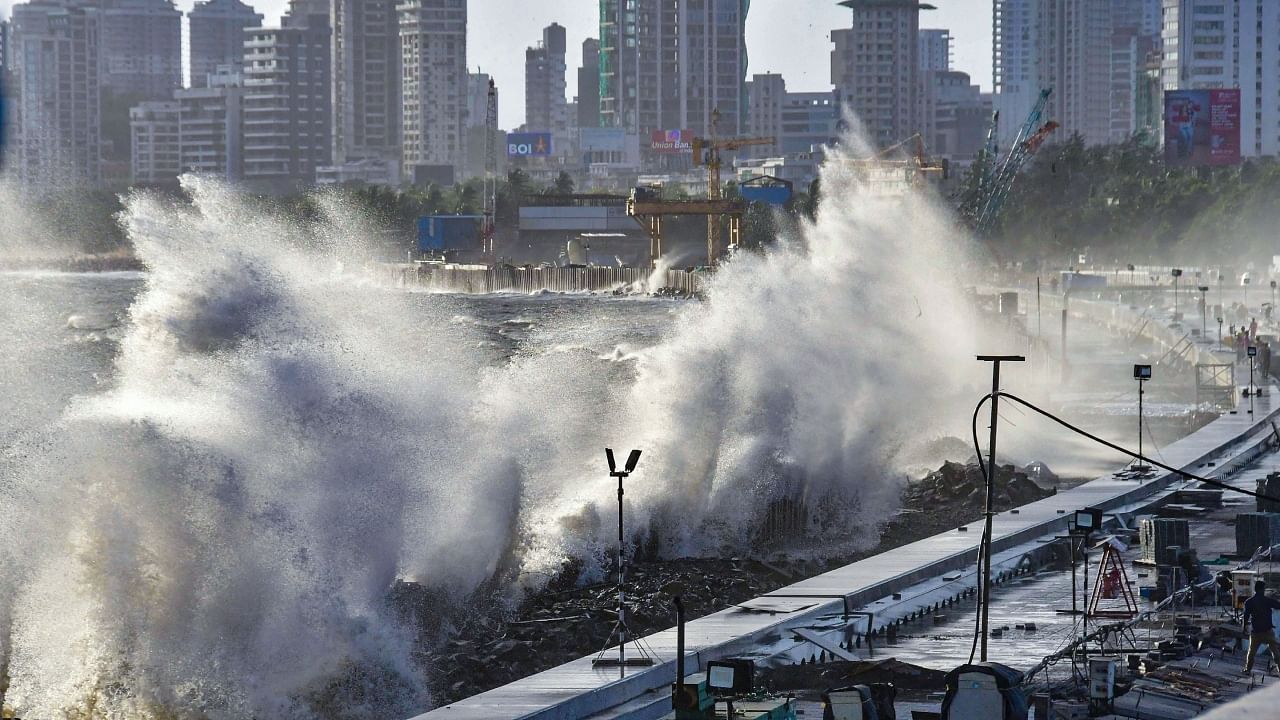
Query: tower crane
{"type": "Point", "coordinates": [1004, 172]}
{"type": "Point", "coordinates": [706, 151]}
{"type": "Point", "coordinates": [488, 232]}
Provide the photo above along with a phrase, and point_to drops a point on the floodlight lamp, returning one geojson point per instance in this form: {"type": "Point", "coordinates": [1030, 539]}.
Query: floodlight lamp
{"type": "Point", "coordinates": [608, 453]}
{"type": "Point", "coordinates": [1088, 519]}
{"type": "Point", "coordinates": [632, 459]}
{"type": "Point", "coordinates": [720, 677]}
{"type": "Point", "coordinates": [1219, 321]}
{"type": "Point", "coordinates": [1176, 272]}
{"type": "Point", "coordinates": [730, 678]}
{"type": "Point", "coordinates": [1203, 288]}
{"type": "Point", "coordinates": [1141, 372]}
{"type": "Point", "coordinates": [1253, 351]}
{"type": "Point", "coordinates": [1273, 284]}
{"type": "Point", "coordinates": [1131, 267]}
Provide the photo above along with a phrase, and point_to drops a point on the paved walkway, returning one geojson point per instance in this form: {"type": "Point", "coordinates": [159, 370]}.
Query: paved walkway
{"type": "Point", "coordinates": [577, 690]}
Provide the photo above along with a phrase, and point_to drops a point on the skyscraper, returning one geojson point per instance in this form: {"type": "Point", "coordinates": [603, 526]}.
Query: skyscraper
{"type": "Point", "coordinates": [1082, 49]}
{"type": "Point", "coordinates": [1228, 45]}
{"type": "Point", "coordinates": [217, 37]}
{"type": "Point", "coordinates": [141, 48]}
{"type": "Point", "coordinates": [875, 67]}
{"type": "Point", "coordinates": [433, 43]}
{"type": "Point", "coordinates": [155, 151]}
{"type": "Point", "coordinates": [545, 83]}
{"type": "Point", "coordinates": [286, 99]}
{"type": "Point", "coordinates": [55, 54]}
{"type": "Point", "coordinates": [4, 46]}
{"type": "Point", "coordinates": [935, 50]}
{"type": "Point", "coordinates": [210, 121]}
{"type": "Point", "coordinates": [797, 120]}
{"type": "Point", "coordinates": [668, 66]}
{"type": "Point", "coordinates": [1015, 67]}
{"type": "Point", "coordinates": [366, 81]}
{"type": "Point", "coordinates": [589, 84]}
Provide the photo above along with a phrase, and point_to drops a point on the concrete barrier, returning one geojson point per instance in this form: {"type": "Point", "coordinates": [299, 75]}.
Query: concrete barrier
{"type": "Point", "coordinates": [480, 279]}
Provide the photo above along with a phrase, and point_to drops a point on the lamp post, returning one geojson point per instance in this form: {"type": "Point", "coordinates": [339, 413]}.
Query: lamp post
{"type": "Point", "coordinates": [985, 598]}
{"type": "Point", "coordinates": [1245, 282]}
{"type": "Point", "coordinates": [1177, 273]}
{"type": "Point", "coordinates": [1204, 311]}
{"type": "Point", "coordinates": [1141, 373]}
{"type": "Point", "coordinates": [1253, 353]}
{"type": "Point", "coordinates": [1220, 345]}
{"type": "Point", "coordinates": [620, 627]}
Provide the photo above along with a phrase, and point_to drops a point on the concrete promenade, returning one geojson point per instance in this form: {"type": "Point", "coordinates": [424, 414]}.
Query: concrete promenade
{"type": "Point", "coordinates": [577, 690]}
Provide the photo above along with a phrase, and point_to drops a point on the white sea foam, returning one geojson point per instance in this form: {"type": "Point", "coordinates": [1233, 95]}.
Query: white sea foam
{"type": "Point", "coordinates": [215, 533]}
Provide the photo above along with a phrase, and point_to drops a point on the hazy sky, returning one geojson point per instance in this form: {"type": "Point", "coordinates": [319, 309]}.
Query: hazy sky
{"type": "Point", "coordinates": [790, 37]}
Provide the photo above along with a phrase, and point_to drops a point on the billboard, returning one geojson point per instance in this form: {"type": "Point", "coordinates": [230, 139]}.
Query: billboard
{"type": "Point", "coordinates": [1202, 127]}
{"type": "Point", "coordinates": [671, 142]}
{"type": "Point", "coordinates": [529, 144]}
{"type": "Point", "coordinates": [602, 139]}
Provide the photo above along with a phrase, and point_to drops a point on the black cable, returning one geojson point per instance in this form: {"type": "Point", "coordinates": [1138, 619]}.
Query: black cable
{"type": "Point", "coordinates": [1125, 451]}
{"type": "Point", "coordinates": [982, 544]}
{"type": "Point", "coordinates": [977, 449]}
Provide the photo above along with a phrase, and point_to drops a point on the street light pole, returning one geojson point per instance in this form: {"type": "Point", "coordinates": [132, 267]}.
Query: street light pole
{"type": "Point", "coordinates": [1141, 373]}
{"type": "Point", "coordinates": [1204, 311]}
{"type": "Point", "coordinates": [985, 598]}
{"type": "Point", "coordinates": [1177, 273]}
{"type": "Point", "coordinates": [1253, 352]}
{"type": "Point", "coordinates": [620, 627]}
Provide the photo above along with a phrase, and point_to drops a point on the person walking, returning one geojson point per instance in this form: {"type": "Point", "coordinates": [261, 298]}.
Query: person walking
{"type": "Point", "coordinates": [1257, 610]}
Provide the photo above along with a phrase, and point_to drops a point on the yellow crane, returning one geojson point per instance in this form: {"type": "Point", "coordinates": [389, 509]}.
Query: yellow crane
{"type": "Point", "coordinates": [706, 151]}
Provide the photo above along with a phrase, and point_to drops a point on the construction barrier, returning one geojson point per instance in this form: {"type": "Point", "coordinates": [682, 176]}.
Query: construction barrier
{"type": "Point", "coordinates": [479, 279]}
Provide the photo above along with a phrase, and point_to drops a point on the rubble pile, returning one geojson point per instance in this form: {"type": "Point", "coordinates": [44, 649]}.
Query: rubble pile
{"type": "Point", "coordinates": [964, 483]}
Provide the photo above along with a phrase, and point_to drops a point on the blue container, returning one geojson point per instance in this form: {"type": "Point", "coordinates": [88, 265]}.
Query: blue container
{"type": "Point", "coordinates": [771, 194]}
{"type": "Point", "coordinates": [437, 233]}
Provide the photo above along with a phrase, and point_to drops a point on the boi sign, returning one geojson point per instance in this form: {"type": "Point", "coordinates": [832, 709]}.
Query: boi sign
{"type": "Point", "coordinates": [536, 144]}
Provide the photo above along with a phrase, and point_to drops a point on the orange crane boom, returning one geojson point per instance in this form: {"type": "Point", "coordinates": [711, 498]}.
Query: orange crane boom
{"type": "Point", "coordinates": [706, 151]}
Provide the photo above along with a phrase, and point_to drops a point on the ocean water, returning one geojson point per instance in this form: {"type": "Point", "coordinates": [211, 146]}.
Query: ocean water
{"type": "Point", "coordinates": [214, 471]}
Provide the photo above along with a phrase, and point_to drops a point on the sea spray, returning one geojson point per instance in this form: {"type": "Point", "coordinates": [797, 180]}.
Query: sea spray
{"type": "Point", "coordinates": [215, 532]}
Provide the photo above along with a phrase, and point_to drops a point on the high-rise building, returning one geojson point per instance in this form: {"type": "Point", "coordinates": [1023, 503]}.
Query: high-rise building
{"type": "Point", "coordinates": [476, 124]}
{"type": "Point", "coordinates": [935, 50]}
{"type": "Point", "coordinates": [210, 125]}
{"type": "Point", "coordinates": [217, 37]}
{"type": "Point", "coordinates": [956, 115]}
{"type": "Point", "coordinates": [155, 148]}
{"type": "Point", "coordinates": [433, 43]}
{"type": "Point", "coordinates": [669, 66]}
{"type": "Point", "coordinates": [588, 99]}
{"type": "Point", "coordinates": [1089, 52]}
{"type": "Point", "coordinates": [875, 68]}
{"type": "Point", "coordinates": [286, 99]}
{"type": "Point", "coordinates": [798, 121]}
{"type": "Point", "coordinates": [366, 82]}
{"type": "Point", "coordinates": [1228, 44]}
{"type": "Point", "coordinates": [545, 83]}
{"type": "Point", "coordinates": [141, 48]}
{"type": "Point", "coordinates": [1015, 61]}
{"type": "Point", "coordinates": [56, 57]}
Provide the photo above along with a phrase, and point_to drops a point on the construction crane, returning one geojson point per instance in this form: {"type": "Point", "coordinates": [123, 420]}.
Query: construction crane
{"type": "Point", "coordinates": [913, 170]}
{"type": "Point", "coordinates": [706, 151]}
{"type": "Point", "coordinates": [488, 232]}
{"type": "Point", "coordinates": [1004, 172]}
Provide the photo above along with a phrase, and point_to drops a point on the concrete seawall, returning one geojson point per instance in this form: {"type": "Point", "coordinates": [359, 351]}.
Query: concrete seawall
{"type": "Point", "coordinates": [478, 279]}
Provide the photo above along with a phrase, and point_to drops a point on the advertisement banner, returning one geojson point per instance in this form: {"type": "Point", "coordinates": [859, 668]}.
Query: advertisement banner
{"type": "Point", "coordinates": [1202, 127]}
{"type": "Point", "coordinates": [671, 142]}
{"type": "Point", "coordinates": [533, 144]}
{"type": "Point", "coordinates": [603, 140]}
